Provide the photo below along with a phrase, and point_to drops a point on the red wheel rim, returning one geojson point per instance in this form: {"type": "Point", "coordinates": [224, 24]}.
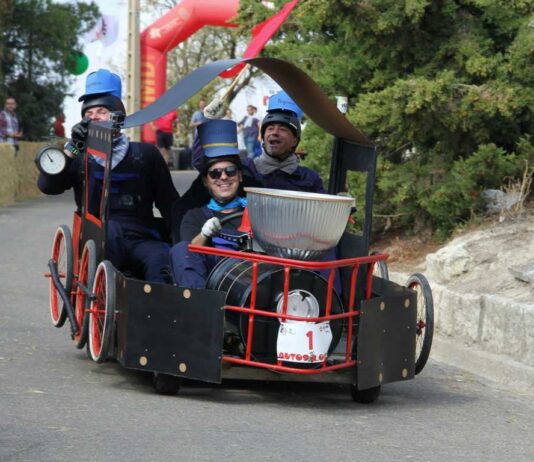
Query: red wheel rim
{"type": "Point", "coordinates": [79, 310]}
{"type": "Point", "coordinates": [421, 317]}
{"type": "Point", "coordinates": [59, 255]}
{"type": "Point", "coordinates": [98, 313]}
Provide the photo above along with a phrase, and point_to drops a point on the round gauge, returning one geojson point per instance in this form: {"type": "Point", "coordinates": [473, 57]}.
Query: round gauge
{"type": "Point", "coordinates": [51, 160]}
{"type": "Point", "coordinates": [299, 303]}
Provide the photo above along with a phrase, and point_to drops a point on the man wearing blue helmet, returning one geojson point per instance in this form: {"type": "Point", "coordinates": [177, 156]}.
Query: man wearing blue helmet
{"type": "Point", "coordinates": [278, 166]}
{"type": "Point", "coordinates": [140, 179]}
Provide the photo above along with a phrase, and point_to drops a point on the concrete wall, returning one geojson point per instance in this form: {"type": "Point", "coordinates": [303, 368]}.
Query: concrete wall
{"type": "Point", "coordinates": [492, 329]}
{"type": "Point", "coordinates": [18, 173]}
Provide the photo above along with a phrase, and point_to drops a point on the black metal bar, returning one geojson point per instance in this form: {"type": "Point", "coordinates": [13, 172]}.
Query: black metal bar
{"type": "Point", "coordinates": [66, 301]}
{"type": "Point", "coordinates": [90, 295]}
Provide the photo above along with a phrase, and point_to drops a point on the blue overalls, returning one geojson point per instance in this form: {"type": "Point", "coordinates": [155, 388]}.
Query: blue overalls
{"type": "Point", "coordinates": [191, 269]}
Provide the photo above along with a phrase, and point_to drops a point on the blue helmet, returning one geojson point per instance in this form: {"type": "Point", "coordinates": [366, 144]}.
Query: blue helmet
{"type": "Point", "coordinates": [282, 102]}
{"type": "Point", "coordinates": [102, 88]}
{"type": "Point", "coordinates": [283, 110]}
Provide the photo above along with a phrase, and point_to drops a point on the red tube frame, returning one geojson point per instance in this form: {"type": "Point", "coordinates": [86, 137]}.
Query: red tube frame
{"type": "Point", "coordinates": [288, 265]}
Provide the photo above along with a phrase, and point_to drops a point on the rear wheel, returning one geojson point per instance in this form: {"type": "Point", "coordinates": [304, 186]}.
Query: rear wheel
{"type": "Point", "coordinates": [381, 268]}
{"type": "Point", "coordinates": [370, 395]}
{"type": "Point", "coordinates": [62, 256]}
{"type": "Point", "coordinates": [425, 319]}
{"type": "Point", "coordinates": [101, 312]}
{"type": "Point", "coordinates": [86, 276]}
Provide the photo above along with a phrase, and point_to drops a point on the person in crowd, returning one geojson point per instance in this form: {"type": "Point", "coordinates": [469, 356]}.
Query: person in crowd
{"type": "Point", "coordinates": [10, 129]}
{"type": "Point", "coordinates": [221, 173]}
{"type": "Point", "coordinates": [58, 129]}
{"type": "Point", "coordinates": [198, 117]}
{"type": "Point", "coordinates": [165, 127]}
{"type": "Point", "coordinates": [228, 114]}
{"type": "Point", "coordinates": [139, 180]}
{"type": "Point", "coordinates": [250, 125]}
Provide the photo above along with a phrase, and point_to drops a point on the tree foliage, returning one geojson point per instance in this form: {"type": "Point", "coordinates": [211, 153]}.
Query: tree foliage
{"type": "Point", "coordinates": [444, 87]}
{"type": "Point", "coordinates": [37, 38]}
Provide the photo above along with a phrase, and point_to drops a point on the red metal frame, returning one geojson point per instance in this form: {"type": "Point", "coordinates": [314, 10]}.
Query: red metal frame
{"type": "Point", "coordinates": [288, 265]}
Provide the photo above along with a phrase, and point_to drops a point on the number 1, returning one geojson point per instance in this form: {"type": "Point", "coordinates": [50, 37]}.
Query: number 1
{"type": "Point", "coordinates": [309, 334]}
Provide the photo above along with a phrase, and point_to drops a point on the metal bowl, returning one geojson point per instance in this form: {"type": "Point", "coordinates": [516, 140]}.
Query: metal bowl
{"type": "Point", "coordinates": [297, 225]}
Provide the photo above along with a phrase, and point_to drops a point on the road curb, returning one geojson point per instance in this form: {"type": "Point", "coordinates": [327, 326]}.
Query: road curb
{"type": "Point", "coordinates": [484, 334]}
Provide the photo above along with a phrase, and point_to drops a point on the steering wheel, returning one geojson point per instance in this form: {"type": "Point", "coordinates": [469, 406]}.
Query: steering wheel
{"type": "Point", "coordinates": [230, 217]}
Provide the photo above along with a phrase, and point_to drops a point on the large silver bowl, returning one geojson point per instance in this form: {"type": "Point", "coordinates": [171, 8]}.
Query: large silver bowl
{"type": "Point", "coordinates": [298, 225]}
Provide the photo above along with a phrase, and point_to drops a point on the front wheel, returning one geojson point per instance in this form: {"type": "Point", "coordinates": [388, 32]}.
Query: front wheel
{"type": "Point", "coordinates": [425, 319]}
{"type": "Point", "coordinates": [101, 312]}
{"type": "Point", "coordinates": [62, 257]}
{"type": "Point", "coordinates": [370, 395]}
{"type": "Point", "coordinates": [165, 384]}
{"type": "Point", "coordinates": [86, 276]}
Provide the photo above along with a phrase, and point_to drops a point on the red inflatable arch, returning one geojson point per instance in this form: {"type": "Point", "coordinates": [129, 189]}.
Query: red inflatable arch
{"type": "Point", "coordinates": [168, 31]}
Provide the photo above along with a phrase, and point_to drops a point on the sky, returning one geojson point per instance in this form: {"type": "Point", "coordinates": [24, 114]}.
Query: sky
{"type": "Point", "coordinates": [113, 57]}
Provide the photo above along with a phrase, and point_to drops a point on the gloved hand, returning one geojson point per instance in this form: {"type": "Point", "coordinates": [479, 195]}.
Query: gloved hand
{"type": "Point", "coordinates": [214, 110]}
{"type": "Point", "coordinates": [211, 227]}
{"type": "Point", "coordinates": [78, 134]}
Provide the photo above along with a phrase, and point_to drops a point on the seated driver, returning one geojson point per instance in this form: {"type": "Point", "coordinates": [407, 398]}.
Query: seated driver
{"type": "Point", "coordinates": [221, 173]}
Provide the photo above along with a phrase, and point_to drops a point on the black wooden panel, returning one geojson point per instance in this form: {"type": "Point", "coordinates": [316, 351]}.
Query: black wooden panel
{"type": "Point", "coordinates": [386, 336]}
{"type": "Point", "coordinates": [169, 329]}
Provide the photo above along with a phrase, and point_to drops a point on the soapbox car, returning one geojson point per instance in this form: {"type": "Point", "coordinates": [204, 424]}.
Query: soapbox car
{"type": "Point", "coordinates": [273, 316]}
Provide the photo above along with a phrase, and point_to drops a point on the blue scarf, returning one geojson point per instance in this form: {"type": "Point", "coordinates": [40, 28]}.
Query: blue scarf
{"type": "Point", "coordinates": [118, 151]}
{"type": "Point", "coordinates": [218, 207]}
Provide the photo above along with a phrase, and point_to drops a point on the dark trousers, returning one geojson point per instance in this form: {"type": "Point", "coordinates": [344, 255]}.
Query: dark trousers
{"type": "Point", "coordinates": [131, 247]}
{"type": "Point", "coordinates": [191, 269]}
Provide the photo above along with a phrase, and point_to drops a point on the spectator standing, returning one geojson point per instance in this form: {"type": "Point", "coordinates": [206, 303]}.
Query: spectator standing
{"type": "Point", "coordinates": [58, 129]}
{"type": "Point", "coordinates": [10, 130]}
{"type": "Point", "coordinates": [228, 115]}
{"type": "Point", "coordinates": [198, 117]}
{"type": "Point", "coordinates": [250, 125]}
{"type": "Point", "coordinates": [165, 127]}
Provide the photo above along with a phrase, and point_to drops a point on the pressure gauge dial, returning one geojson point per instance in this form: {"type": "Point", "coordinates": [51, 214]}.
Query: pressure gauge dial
{"type": "Point", "coordinates": [51, 160]}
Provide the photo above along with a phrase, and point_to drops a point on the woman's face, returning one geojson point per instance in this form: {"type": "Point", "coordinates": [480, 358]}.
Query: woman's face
{"type": "Point", "coordinates": [222, 180]}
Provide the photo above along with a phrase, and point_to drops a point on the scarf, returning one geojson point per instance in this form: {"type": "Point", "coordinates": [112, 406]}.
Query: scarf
{"type": "Point", "coordinates": [266, 164]}
{"type": "Point", "coordinates": [218, 207]}
{"type": "Point", "coordinates": [119, 148]}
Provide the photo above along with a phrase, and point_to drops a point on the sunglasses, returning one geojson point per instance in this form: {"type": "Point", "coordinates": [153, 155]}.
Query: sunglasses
{"type": "Point", "coordinates": [216, 173]}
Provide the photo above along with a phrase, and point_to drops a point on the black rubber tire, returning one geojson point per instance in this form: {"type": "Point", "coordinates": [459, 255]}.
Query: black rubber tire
{"type": "Point", "coordinates": [102, 312]}
{"type": "Point", "coordinates": [368, 396]}
{"type": "Point", "coordinates": [381, 268]}
{"type": "Point", "coordinates": [165, 384]}
{"type": "Point", "coordinates": [62, 256]}
{"type": "Point", "coordinates": [81, 301]}
{"type": "Point", "coordinates": [425, 319]}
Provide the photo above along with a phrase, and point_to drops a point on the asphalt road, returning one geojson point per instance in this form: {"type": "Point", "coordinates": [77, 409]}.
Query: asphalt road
{"type": "Point", "coordinates": [56, 405]}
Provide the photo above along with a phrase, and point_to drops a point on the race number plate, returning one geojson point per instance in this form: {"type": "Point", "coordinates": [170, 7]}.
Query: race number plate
{"type": "Point", "coordinates": [302, 342]}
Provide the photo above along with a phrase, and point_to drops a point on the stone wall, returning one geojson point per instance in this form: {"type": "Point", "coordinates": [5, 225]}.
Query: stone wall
{"type": "Point", "coordinates": [18, 173]}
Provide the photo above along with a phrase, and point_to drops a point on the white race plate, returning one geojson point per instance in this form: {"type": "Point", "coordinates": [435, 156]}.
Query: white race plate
{"type": "Point", "coordinates": [302, 342]}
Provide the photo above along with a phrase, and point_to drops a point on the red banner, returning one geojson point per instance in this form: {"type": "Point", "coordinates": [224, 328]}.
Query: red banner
{"type": "Point", "coordinates": [261, 33]}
